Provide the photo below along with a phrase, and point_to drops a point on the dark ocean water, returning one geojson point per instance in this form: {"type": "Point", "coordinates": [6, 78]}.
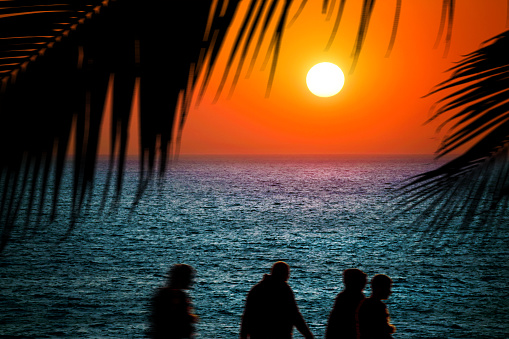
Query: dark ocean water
{"type": "Point", "coordinates": [231, 218]}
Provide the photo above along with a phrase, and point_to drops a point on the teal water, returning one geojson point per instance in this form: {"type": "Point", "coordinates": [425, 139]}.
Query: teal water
{"type": "Point", "coordinates": [231, 218]}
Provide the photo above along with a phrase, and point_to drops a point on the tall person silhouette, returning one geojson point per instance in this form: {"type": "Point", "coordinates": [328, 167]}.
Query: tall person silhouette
{"type": "Point", "coordinates": [172, 316]}
{"type": "Point", "coordinates": [373, 316]}
{"type": "Point", "coordinates": [271, 311]}
{"type": "Point", "coordinates": [342, 319]}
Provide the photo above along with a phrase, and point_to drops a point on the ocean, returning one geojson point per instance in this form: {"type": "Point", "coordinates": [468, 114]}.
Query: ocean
{"type": "Point", "coordinates": [231, 217]}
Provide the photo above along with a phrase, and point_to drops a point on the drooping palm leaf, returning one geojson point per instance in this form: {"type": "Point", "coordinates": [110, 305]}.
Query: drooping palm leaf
{"type": "Point", "coordinates": [473, 188]}
{"type": "Point", "coordinates": [367, 11]}
{"type": "Point", "coordinates": [55, 64]}
{"type": "Point", "coordinates": [446, 18]}
{"type": "Point", "coordinates": [39, 69]}
{"type": "Point", "coordinates": [335, 28]}
{"type": "Point", "coordinates": [394, 28]}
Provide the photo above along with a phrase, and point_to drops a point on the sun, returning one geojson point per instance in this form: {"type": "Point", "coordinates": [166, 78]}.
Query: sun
{"type": "Point", "coordinates": [325, 79]}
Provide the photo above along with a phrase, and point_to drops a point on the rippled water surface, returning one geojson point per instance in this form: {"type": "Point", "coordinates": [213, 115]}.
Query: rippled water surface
{"type": "Point", "coordinates": [231, 218]}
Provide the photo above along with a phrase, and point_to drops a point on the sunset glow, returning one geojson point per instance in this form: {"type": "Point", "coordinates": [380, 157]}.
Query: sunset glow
{"type": "Point", "coordinates": [381, 109]}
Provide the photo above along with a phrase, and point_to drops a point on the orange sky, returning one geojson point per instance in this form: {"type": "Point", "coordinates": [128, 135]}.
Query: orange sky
{"type": "Point", "coordinates": [380, 110]}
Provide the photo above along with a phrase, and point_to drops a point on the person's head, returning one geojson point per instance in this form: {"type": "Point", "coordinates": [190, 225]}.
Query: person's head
{"type": "Point", "coordinates": [280, 271]}
{"type": "Point", "coordinates": [354, 279]}
{"type": "Point", "coordinates": [381, 286]}
{"type": "Point", "coordinates": [181, 276]}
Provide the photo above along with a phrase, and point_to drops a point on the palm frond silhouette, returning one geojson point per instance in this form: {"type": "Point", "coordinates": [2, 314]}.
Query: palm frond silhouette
{"type": "Point", "coordinates": [58, 61]}
{"type": "Point", "coordinates": [473, 187]}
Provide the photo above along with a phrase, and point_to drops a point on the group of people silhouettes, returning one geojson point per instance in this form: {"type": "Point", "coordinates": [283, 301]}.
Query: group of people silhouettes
{"type": "Point", "coordinates": [271, 311]}
{"type": "Point", "coordinates": [353, 315]}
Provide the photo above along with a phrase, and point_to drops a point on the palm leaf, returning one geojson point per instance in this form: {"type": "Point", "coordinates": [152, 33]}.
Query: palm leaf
{"type": "Point", "coordinates": [61, 57]}
{"type": "Point", "coordinates": [473, 188]}
{"type": "Point", "coordinates": [446, 18]}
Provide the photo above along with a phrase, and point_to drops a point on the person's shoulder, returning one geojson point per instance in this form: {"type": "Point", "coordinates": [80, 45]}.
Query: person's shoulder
{"type": "Point", "coordinates": [348, 298]}
{"type": "Point", "coordinates": [258, 286]}
{"type": "Point", "coordinates": [373, 303]}
{"type": "Point", "coordinates": [342, 295]}
{"type": "Point", "coordinates": [285, 288]}
{"type": "Point", "coordinates": [163, 295]}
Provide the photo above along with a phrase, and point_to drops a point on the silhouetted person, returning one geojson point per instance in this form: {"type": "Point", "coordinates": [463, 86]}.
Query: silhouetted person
{"type": "Point", "coordinates": [172, 315]}
{"type": "Point", "coordinates": [342, 319]}
{"type": "Point", "coordinates": [271, 311]}
{"type": "Point", "coordinates": [373, 316]}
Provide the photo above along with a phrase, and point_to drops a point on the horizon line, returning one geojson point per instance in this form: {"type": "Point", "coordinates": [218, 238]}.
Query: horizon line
{"type": "Point", "coordinates": [434, 155]}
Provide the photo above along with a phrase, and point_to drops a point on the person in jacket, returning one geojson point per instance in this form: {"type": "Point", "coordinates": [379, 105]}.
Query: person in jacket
{"type": "Point", "coordinates": [271, 311]}
{"type": "Point", "coordinates": [342, 319]}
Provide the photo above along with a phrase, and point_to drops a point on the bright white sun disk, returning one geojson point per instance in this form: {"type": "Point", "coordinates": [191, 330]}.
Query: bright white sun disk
{"type": "Point", "coordinates": [325, 79]}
